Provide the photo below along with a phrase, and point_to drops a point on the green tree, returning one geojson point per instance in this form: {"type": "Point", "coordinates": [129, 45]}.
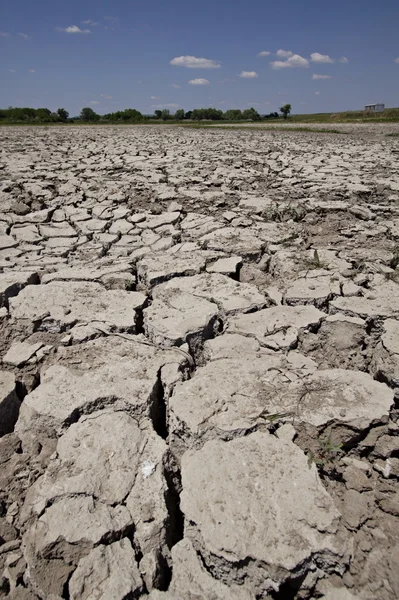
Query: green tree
{"type": "Point", "coordinates": [63, 114]}
{"type": "Point", "coordinates": [88, 114]}
{"type": "Point", "coordinates": [285, 110]}
{"type": "Point", "coordinates": [250, 114]}
{"type": "Point", "coordinates": [165, 114]}
{"type": "Point", "coordinates": [21, 114]}
{"type": "Point", "coordinates": [129, 114]}
{"type": "Point", "coordinates": [179, 115]}
{"type": "Point", "coordinates": [158, 114]}
{"type": "Point", "coordinates": [196, 114]}
{"type": "Point", "coordinates": [233, 114]}
{"type": "Point", "coordinates": [43, 114]}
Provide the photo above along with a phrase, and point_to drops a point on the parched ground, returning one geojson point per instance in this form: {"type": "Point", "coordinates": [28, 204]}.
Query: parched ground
{"type": "Point", "coordinates": [199, 336]}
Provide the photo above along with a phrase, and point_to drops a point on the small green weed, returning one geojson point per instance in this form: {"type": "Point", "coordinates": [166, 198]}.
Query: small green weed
{"type": "Point", "coordinates": [130, 286]}
{"type": "Point", "coordinates": [315, 262]}
{"type": "Point", "coordinates": [280, 213]}
{"type": "Point", "coordinates": [326, 453]}
{"type": "Point", "coordinates": [272, 417]}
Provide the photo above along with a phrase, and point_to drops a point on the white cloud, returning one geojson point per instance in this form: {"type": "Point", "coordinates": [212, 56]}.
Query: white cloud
{"type": "Point", "coordinates": [25, 36]}
{"type": "Point", "coordinates": [320, 58]}
{"type": "Point", "coordinates": [11, 71]}
{"type": "Point", "coordinates": [298, 61]}
{"type": "Point", "coordinates": [248, 74]}
{"type": "Point", "coordinates": [90, 22]}
{"type": "Point", "coordinates": [314, 76]}
{"type": "Point", "coordinates": [294, 61]}
{"type": "Point", "coordinates": [280, 64]}
{"type": "Point", "coordinates": [284, 53]}
{"type": "Point", "coordinates": [94, 102]}
{"type": "Point", "coordinates": [264, 53]}
{"type": "Point", "coordinates": [177, 87]}
{"type": "Point", "coordinates": [4, 34]}
{"type": "Point", "coordinates": [396, 60]}
{"type": "Point", "coordinates": [198, 82]}
{"type": "Point", "coordinates": [32, 70]}
{"type": "Point", "coordinates": [73, 29]}
{"type": "Point", "coordinates": [106, 97]}
{"type": "Point", "coordinates": [155, 98]}
{"type": "Point", "coordinates": [170, 105]}
{"type": "Point", "coordinates": [191, 62]}
{"type": "Point", "coordinates": [317, 93]}
{"type": "Point", "coordinates": [343, 60]}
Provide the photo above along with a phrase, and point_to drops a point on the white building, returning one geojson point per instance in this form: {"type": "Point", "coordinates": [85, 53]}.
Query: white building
{"type": "Point", "coordinates": [374, 108]}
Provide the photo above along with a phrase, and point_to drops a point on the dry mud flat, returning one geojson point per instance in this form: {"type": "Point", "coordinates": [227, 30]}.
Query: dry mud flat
{"type": "Point", "coordinates": [200, 363]}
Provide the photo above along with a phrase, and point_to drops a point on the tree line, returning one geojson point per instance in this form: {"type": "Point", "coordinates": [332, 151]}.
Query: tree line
{"type": "Point", "coordinates": [40, 115]}
{"type": "Point", "coordinates": [131, 115]}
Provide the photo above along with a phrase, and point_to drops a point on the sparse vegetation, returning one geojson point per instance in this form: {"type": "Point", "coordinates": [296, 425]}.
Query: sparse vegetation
{"type": "Point", "coordinates": [353, 116]}
{"type": "Point", "coordinates": [315, 262]}
{"type": "Point", "coordinates": [260, 127]}
{"type": "Point", "coordinates": [326, 453]}
{"type": "Point", "coordinates": [273, 417]}
{"type": "Point", "coordinates": [285, 212]}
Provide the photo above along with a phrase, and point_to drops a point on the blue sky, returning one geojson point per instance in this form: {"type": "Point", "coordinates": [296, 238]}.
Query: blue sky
{"type": "Point", "coordinates": [113, 55]}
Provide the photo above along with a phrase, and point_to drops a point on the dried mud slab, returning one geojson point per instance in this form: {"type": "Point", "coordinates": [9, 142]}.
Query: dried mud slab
{"type": "Point", "coordinates": [180, 317]}
{"type": "Point", "coordinates": [230, 296]}
{"type": "Point", "coordinates": [277, 327]}
{"type": "Point", "coordinates": [274, 532]}
{"type": "Point", "coordinates": [108, 571]}
{"type": "Point", "coordinates": [192, 579]}
{"type": "Point", "coordinates": [58, 306]}
{"type": "Point", "coordinates": [232, 397]}
{"type": "Point", "coordinates": [123, 374]}
{"type": "Point", "coordinates": [107, 476]}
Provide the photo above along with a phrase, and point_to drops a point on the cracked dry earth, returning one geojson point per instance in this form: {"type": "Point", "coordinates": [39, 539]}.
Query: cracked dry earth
{"type": "Point", "coordinates": [200, 361]}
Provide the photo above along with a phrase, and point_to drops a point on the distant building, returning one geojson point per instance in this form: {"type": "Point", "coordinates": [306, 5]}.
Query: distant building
{"type": "Point", "coordinates": [374, 108]}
